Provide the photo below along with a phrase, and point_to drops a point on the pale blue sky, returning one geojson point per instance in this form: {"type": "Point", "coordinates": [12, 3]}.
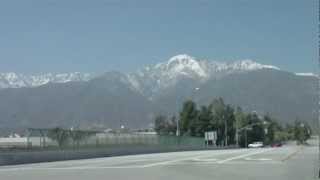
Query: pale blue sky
{"type": "Point", "coordinates": [98, 36]}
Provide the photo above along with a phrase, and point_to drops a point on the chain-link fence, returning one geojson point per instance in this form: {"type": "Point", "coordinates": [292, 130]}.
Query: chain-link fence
{"type": "Point", "coordinates": [44, 149]}
{"type": "Point", "coordinates": [98, 140]}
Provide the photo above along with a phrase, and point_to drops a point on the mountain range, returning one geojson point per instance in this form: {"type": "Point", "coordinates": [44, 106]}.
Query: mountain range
{"type": "Point", "coordinates": [14, 80]}
{"type": "Point", "coordinates": [133, 99]}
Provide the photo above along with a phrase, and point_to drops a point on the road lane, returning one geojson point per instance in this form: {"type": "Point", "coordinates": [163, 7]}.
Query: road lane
{"type": "Point", "coordinates": [289, 162]}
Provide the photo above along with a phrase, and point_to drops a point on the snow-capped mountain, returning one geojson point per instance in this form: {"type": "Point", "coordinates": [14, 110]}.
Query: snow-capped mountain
{"type": "Point", "coordinates": [149, 80]}
{"type": "Point", "coordinates": [14, 80]}
{"type": "Point", "coordinates": [133, 99]}
{"type": "Point", "coordinates": [307, 74]}
{"type": "Point", "coordinates": [153, 79]}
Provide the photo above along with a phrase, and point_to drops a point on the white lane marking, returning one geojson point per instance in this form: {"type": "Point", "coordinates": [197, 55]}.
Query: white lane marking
{"type": "Point", "coordinates": [99, 167]}
{"type": "Point", "coordinates": [71, 168]}
{"type": "Point", "coordinates": [205, 160]}
{"type": "Point", "coordinates": [258, 159]}
{"type": "Point", "coordinates": [292, 154]}
{"type": "Point", "coordinates": [57, 163]}
{"type": "Point", "coordinates": [199, 156]}
{"type": "Point", "coordinates": [130, 158]}
{"type": "Point", "coordinates": [243, 156]}
{"type": "Point", "coordinates": [96, 167]}
{"type": "Point", "coordinates": [195, 156]}
{"type": "Point", "coordinates": [229, 163]}
{"type": "Point", "coordinates": [171, 161]}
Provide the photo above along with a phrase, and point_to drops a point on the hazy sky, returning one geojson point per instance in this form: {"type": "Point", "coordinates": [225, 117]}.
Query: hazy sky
{"type": "Point", "coordinates": [123, 35]}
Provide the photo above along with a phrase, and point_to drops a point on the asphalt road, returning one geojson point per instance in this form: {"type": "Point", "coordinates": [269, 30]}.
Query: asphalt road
{"type": "Point", "coordinates": [289, 162]}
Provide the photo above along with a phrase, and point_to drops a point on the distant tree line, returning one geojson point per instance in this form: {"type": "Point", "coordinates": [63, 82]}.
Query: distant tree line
{"type": "Point", "coordinates": [233, 125]}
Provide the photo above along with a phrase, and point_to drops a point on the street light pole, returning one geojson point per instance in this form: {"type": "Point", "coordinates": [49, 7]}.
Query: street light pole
{"type": "Point", "coordinates": [237, 136]}
{"type": "Point", "coordinates": [178, 127]}
{"type": "Point", "coordinates": [177, 116]}
{"type": "Point", "coordinates": [225, 131]}
{"type": "Point", "coordinates": [246, 138]}
{"type": "Point", "coordinates": [318, 77]}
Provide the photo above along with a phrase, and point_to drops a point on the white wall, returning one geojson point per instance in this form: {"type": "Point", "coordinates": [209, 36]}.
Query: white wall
{"type": "Point", "coordinates": [13, 142]}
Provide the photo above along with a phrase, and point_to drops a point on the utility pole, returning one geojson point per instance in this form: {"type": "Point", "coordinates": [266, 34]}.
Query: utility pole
{"type": "Point", "coordinates": [246, 138]}
{"type": "Point", "coordinates": [178, 118]}
{"type": "Point", "coordinates": [237, 136]}
{"type": "Point", "coordinates": [237, 130]}
{"type": "Point", "coordinates": [225, 130]}
{"type": "Point", "coordinates": [319, 82]}
{"type": "Point", "coordinates": [178, 126]}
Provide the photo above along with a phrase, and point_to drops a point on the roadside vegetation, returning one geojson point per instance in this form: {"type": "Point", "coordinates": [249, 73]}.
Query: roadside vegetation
{"type": "Point", "coordinates": [232, 124]}
{"type": "Point", "coordinates": [64, 137]}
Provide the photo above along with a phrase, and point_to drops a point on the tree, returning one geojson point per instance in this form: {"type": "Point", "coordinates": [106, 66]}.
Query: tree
{"type": "Point", "coordinates": [241, 121]}
{"type": "Point", "coordinates": [59, 135]}
{"type": "Point", "coordinates": [224, 121]}
{"type": "Point", "coordinates": [161, 125]}
{"type": "Point", "coordinates": [280, 136]}
{"type": "Point", "coordinates": [77, 136]}
{"type": "Point", "coordinates": [165, 127]}
{"type": "Point", "coordinates": [232, 126]}
{"type": "Point", "coordinates": [204, 122]}
{"type": "Point", "coordinates": [218, 109]}
{"type": "Point", "coordinates": [273, 129]}
{"type": "Point", "coordinates": [240, 118]}
{"type": "Point", "coordinates": [257, 132]}
{"type": "Point", "coordinates": [302, 132]}
{"type": "Point", "coordinates": [188, 118]}
{"type": "Point", "coordinates": [289, 129]}
{"type": "Point", "coordinates": [230, 120]}
{"type": "Point", "coordinates": [172, 125]}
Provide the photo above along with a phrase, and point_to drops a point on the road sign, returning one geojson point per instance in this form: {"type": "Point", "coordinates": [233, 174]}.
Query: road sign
{"type": "Point", "coordinates": [210, 137]}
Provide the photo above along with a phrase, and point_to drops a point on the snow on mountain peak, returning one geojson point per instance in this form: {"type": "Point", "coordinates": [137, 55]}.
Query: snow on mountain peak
{"type": "Point", "coordinates": [307, 74]}
{"type": "Point", "coordinates": [152, 79]}
{"type": "Point", "coordinates": [184, 61]}
{"type": "Point", "coordinates": [251, 65]}
{"type": "Point", "coordinates": [181, 58]}
{"type": "Point", "coordinates": [185, 64]}
{"type": "Point", "coordinates": [13, 80]}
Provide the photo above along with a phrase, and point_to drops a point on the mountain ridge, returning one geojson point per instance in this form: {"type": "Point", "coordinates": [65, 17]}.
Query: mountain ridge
{"type": "Point", "coordinates": [170, 71]}
{"type": "Point", "coordinates": [134, 99]}
{"type": "Point", "coordinates": [18, 80]}
{"type": "Point", "coordinates": [153, 79]}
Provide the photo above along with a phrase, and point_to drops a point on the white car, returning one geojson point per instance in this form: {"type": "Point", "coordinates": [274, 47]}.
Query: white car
{"type": "Point", "coordinates": [256, 145]}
